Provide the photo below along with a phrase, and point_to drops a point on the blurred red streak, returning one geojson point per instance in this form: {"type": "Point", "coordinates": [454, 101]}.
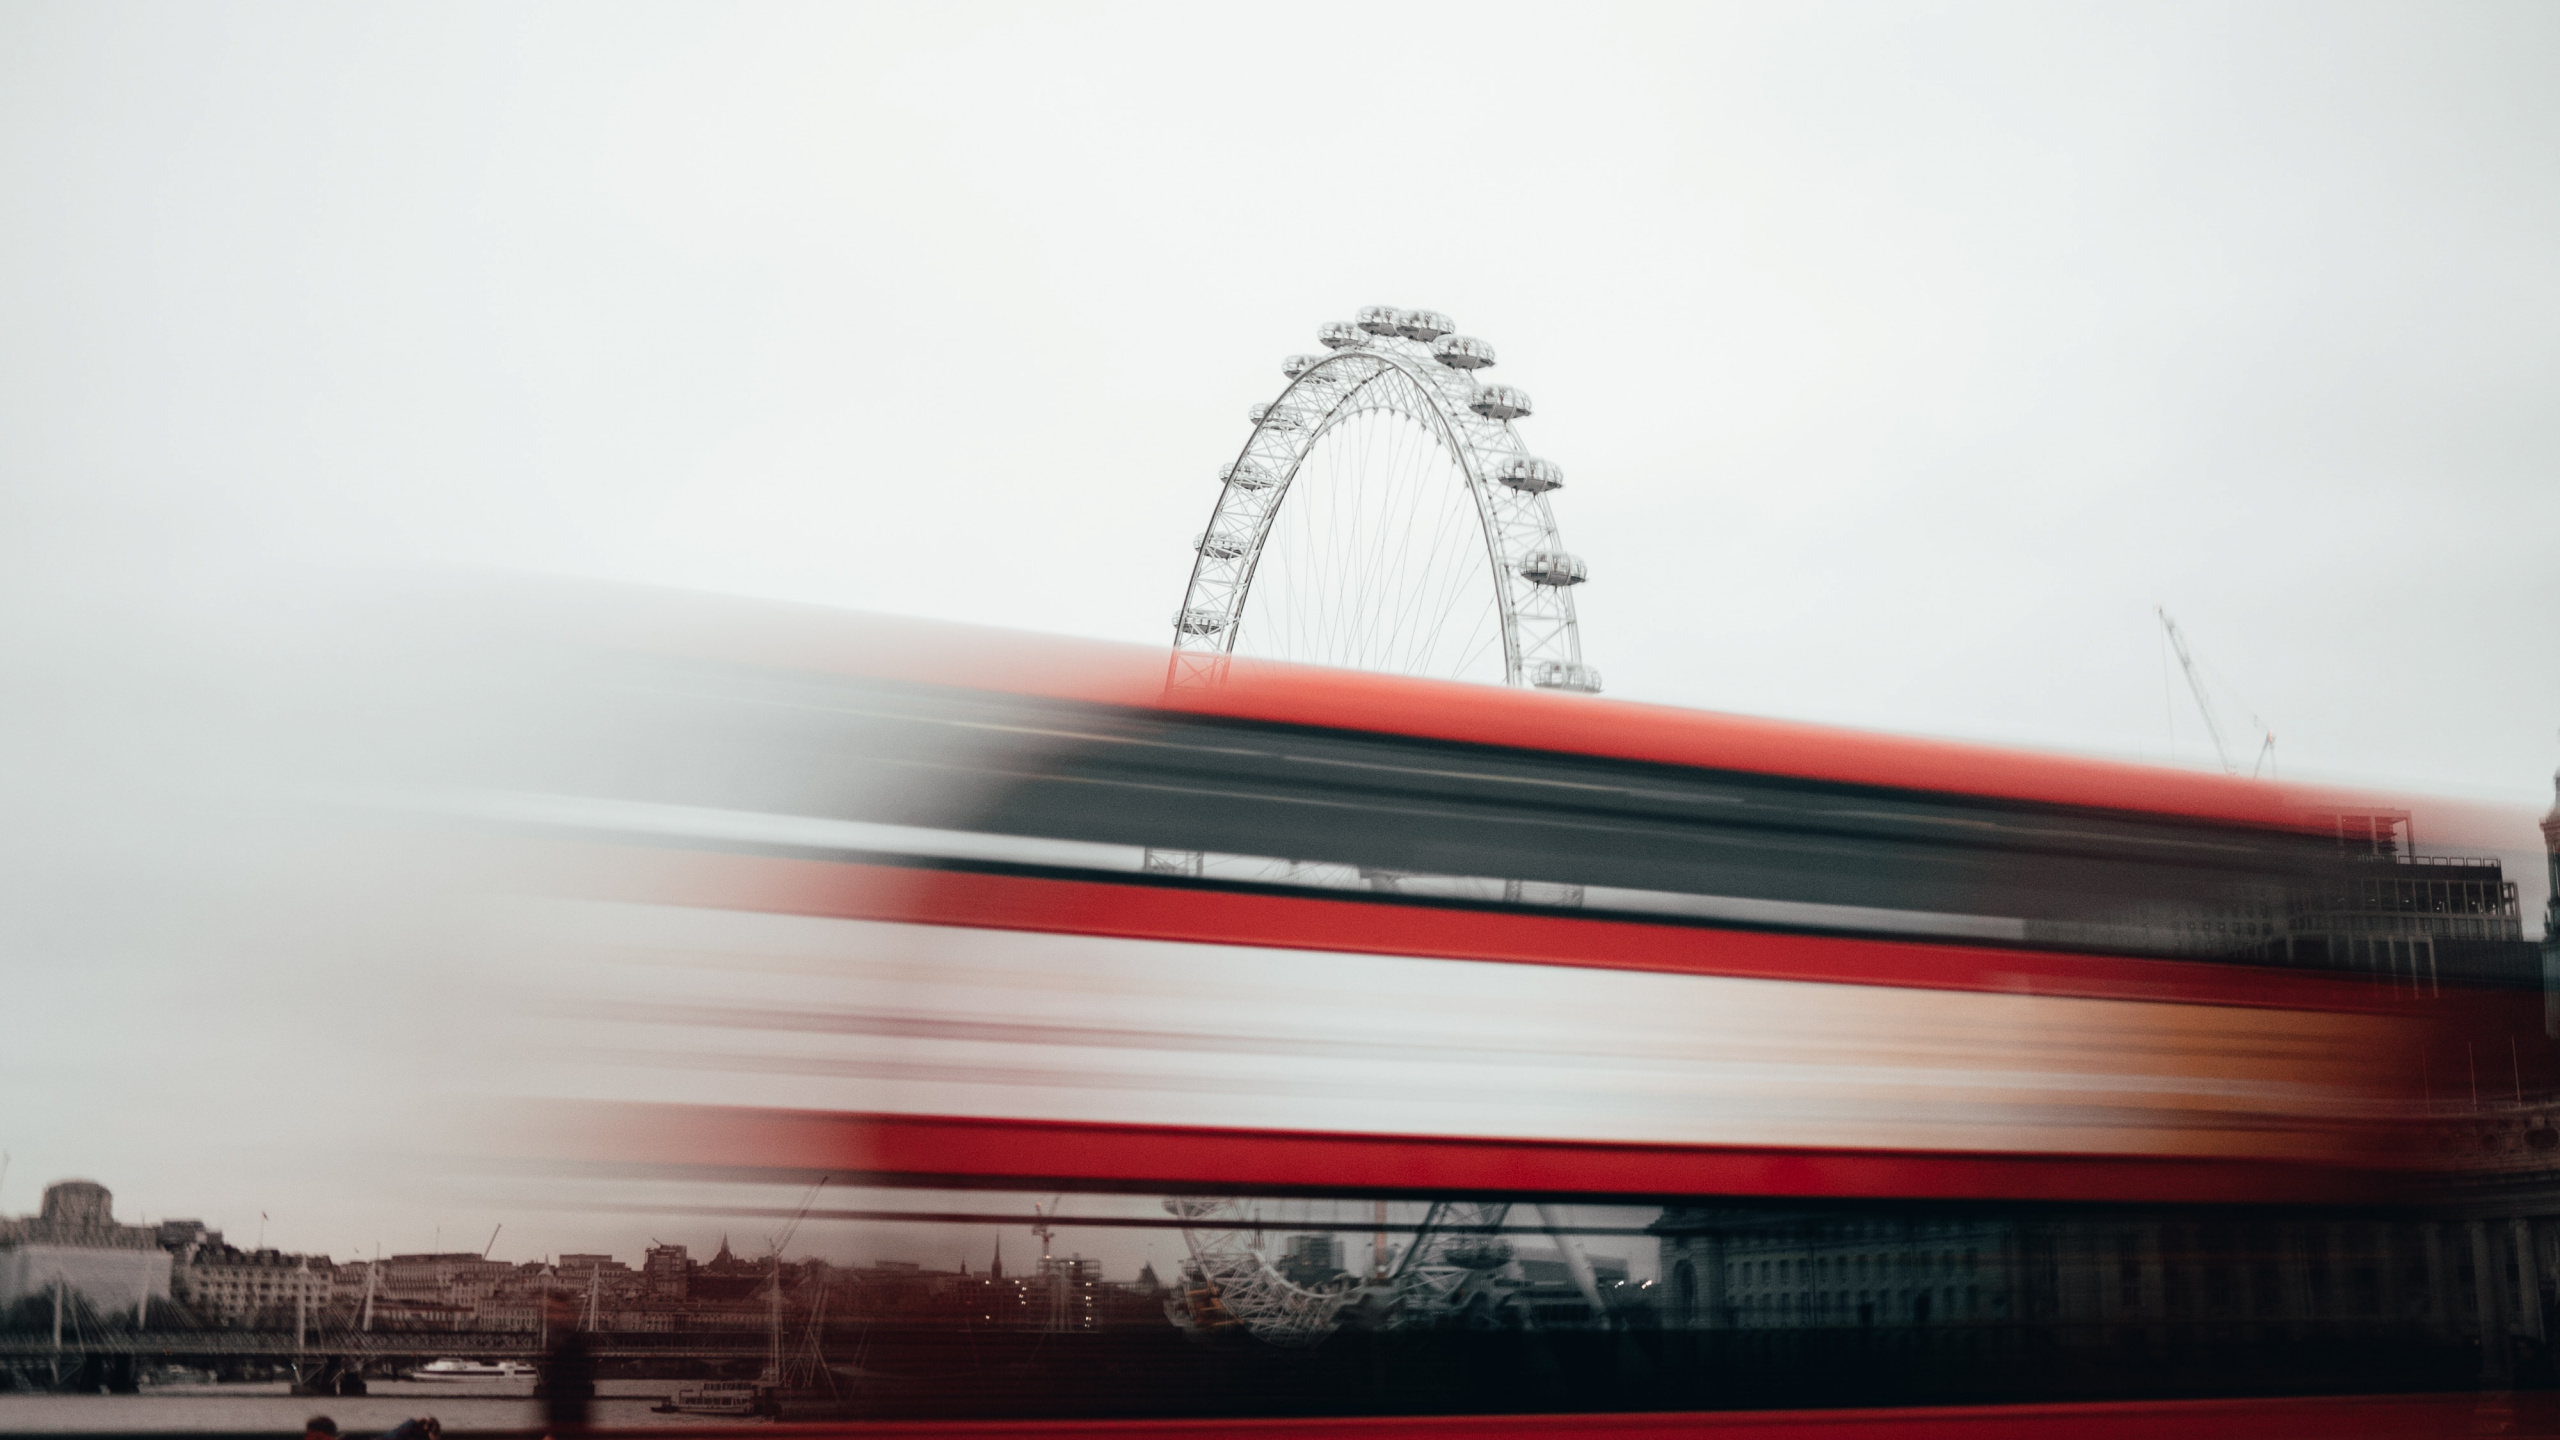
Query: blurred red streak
{"type": "Point", "coordinates": [809, 638]}
{"type": "Point", "coordinates": [2331, 1417]}
{"type": "Point", "coordinates": [960, 1152]}
{"type": "Point", "coordinates": [1140, 911]}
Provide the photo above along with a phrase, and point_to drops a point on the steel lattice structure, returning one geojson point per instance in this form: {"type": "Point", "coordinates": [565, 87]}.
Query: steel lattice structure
{"type": "Point", "coordinates": [1408, 364]}
{"type": "Point", "coordinates": [1227, 1251]}
{"type": "Point", "coordinates": [1449, 1270]}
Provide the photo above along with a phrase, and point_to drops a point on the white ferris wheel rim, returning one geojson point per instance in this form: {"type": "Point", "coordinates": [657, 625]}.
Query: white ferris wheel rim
{"type": "Point", "coordinates": [1367, 371]}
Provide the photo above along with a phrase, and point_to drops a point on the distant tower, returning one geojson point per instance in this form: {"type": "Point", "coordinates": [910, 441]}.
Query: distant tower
{"type": "Point", "coordinates": [669, 1272]}
{"type": "Point", "coordinates": [996, 1271]}
{"type": "Point", "coordinates": [78, 1205]}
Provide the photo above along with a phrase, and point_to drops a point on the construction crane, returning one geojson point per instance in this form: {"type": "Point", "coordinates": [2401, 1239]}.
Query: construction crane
{"type": "Point", "coordinates": [1041, 1222]}
{"type": "Point", "coordinates": [773, 1364]}
{"type": "Point", "coordinates": [2204, 706]}
{"type": "Point", "coordinates": [793, 1228]}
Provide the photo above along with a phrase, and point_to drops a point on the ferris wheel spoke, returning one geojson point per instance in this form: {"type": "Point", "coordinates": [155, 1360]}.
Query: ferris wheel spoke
{"type": "Point", "coordinates": [1397, 537]}
{"type": "Point", "coordinates": [1431, 584]}
{"type": "Point", "coordinates": [1383, 490]}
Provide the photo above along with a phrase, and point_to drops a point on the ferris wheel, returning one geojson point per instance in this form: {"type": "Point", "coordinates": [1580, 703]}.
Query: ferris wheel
{"type": "Point", "coordinates": [1385, 515]}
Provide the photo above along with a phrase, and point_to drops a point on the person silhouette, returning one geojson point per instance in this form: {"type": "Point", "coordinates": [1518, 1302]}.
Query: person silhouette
{"type": "Point", "coordinates": [568, 1376]}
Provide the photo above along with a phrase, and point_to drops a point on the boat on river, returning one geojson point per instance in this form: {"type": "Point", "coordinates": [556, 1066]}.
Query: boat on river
{"type": "Point", "coordinates": [717, 1397]}
{"type": "Point", "coordinates": [482, 1370]}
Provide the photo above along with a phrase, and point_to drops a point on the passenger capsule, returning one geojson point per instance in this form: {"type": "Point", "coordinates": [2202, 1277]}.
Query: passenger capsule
{"type": "Point", "coordinates": [1297, 365]}
{"type": "Point", "coordinates": [1564, 675]}
{"type": "Point", "coordinates": [1246, 475]}
{"type": "Point", "coordinates": [1530, 475]}
{"type": "Point", "coordinates": [1200, 620]}
{"type": "Point", "coordinates": [1217, 546]}
{"type": "Point", "coordinates": [1271, 415]}
{"type": "Point", "coordinates": [1379, 319]}
{"type": "Point", "coordinates": [1424, 325]}
{"type": "Point", "coordinates": [1554, 567]}
{"type": "Point", "coordinates": [1462, 352]}
{"type": "Point", "coordinates": [1500, 402]}
{"type": "Point", "coordinates": [1340, 335]}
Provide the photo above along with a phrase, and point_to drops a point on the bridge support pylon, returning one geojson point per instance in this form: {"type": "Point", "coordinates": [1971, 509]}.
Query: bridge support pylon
{"type": "Point", "coordinates": [329, 1375]}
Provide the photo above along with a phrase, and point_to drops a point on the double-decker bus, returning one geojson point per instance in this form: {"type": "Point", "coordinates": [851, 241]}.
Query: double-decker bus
{"type": "Point", "coordinates": [1483, 1061]}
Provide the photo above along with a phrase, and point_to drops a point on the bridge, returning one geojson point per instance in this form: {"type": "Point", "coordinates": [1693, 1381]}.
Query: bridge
{"type": "Point", "coordinates": [378, 1345]}
{"type": "Point", "coordinates": [329, 1361]}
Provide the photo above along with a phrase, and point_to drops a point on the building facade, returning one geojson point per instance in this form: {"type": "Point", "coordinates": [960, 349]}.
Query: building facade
{"type": "Point", "coordinates": [668, 1273]}
{"type": "Point", "coordinates": [2120, 1282]}
{"type": "Point", "coordinates": [73, 1247]}
{"type": "Point", "coordinates": [250, 1289]}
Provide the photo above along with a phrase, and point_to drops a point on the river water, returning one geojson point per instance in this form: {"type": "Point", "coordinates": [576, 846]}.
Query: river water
{"type": "Point", "coordinates": [247, 1408]}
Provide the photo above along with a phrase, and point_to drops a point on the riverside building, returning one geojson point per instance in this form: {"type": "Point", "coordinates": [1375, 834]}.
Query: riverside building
{"type": "Point", "coordinates": [74, 1247]}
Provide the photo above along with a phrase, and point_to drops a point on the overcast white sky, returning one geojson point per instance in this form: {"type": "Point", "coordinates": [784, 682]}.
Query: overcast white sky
{"type": "Point", "coordinates": [1901, 357]}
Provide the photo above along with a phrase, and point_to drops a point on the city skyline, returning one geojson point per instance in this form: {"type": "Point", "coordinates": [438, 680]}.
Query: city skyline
{"type": "Point", "coordinates": [934, 1247]}
{"type": "Point", "coordinates": [707, 1237]}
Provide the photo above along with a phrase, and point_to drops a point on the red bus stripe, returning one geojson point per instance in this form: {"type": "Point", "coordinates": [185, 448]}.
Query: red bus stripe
{"type": "Point", "coordinates": [809, 638]}
{"type": "Point", "coordinates": [2322, 1417]}
{"type": "Point", "coordinates": [847, 890]}
{"type": "Point", "coordinates": [962, 1152]}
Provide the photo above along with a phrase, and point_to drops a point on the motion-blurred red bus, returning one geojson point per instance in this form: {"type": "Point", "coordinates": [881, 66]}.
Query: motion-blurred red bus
{"type": "Point", "coordinates": [1483, 1053]}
